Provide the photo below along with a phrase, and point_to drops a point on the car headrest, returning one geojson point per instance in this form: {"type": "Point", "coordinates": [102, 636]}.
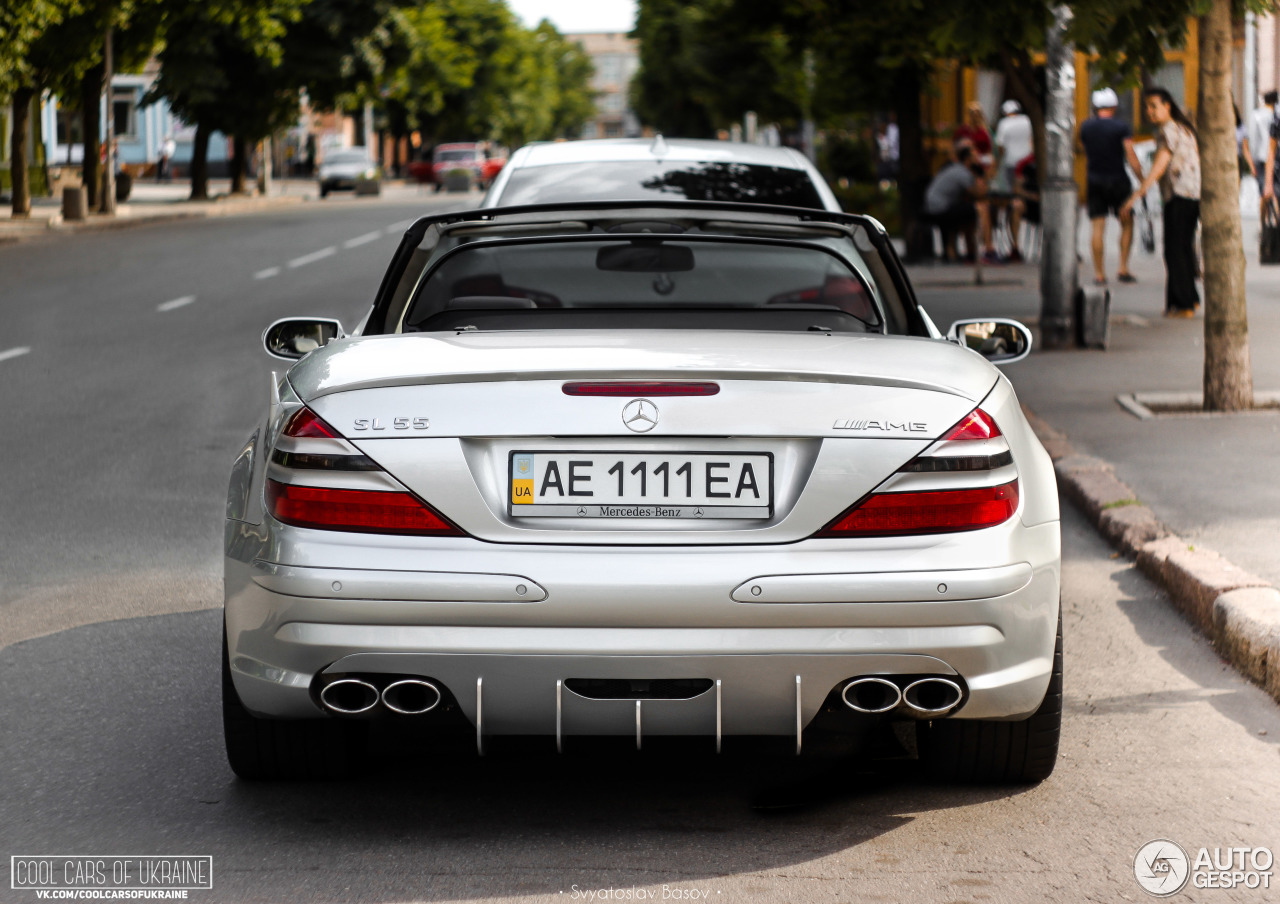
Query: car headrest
{"type": "Point", "coordinates": [489, 303]}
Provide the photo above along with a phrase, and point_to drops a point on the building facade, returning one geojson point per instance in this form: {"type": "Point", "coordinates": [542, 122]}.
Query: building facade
{"type": "Point", "coordinates": [616, 58]}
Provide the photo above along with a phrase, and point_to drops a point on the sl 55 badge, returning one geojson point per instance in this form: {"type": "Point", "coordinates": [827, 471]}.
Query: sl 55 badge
{"type": "Point", "coordinates": [883, 426]}
{"type": "Point", "coordinates": [397, 423]}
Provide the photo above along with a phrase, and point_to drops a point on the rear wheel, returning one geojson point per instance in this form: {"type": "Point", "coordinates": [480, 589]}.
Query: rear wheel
{"type": "Point", "coordinates": [286, 749]}
{"type": "Point", "coordinates": [990, 752]}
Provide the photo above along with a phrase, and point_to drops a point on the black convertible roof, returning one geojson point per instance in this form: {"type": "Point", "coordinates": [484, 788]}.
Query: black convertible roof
{"type": "Point", "coordinates": [570, 210]}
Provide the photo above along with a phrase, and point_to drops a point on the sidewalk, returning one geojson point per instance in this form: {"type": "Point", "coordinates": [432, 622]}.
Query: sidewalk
{"type": "Point", "coordinates": [1210, 479]}
{"type": "Point", "coordinates": [152, 202]}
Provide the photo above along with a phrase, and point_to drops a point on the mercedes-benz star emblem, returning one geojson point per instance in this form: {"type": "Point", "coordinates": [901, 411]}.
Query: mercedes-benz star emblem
{"type": "Point", "coordinates": [640, 415]}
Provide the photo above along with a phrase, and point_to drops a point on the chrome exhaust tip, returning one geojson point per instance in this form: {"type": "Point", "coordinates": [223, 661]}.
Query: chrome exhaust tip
{"type": "Point", "coordinates": [349, 696]}
{"type": "Point", "coordinates": [931, 697]}
{"type": "Point", "coordinates": [871, 695]}
{"type": "Point", "coordinates": [411, 696]}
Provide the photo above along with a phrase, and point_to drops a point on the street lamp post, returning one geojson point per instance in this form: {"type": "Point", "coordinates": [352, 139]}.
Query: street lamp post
{"type": "Point", "coordinates": [1058, 188]}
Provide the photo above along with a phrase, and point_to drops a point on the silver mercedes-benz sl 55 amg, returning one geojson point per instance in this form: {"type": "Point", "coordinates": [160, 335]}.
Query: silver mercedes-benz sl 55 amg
{"type": "Point", "coordinates": [645, 469]}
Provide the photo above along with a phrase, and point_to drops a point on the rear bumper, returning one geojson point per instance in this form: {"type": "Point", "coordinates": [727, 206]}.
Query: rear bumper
{"type": "Point", "coordinates": [634, 613]}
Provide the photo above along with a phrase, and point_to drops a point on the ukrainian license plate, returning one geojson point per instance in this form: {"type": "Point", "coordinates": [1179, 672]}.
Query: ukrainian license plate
{"type": "Point", "coordinates": [653, 485]}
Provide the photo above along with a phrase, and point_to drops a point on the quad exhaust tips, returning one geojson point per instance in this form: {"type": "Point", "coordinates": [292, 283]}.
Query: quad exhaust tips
{"type": "Point", "coordinates": [924, 698]}
{"type": "Point", "coordinates": [872, 695]}
{"type": "Point", "coordinates": [931, 698]}
{"type": "Point", "coordinates": [349, 696]}
{"type": "Point", "coordinates": [411, 696]}
{"type": "Point", "coordinates": [354, 696]}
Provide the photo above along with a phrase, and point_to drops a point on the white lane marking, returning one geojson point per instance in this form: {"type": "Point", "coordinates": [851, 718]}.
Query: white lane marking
{"type": "Point", "coordinates": [14, 353]}
{"type": "Point", "coordinates": [176, 303]}
{"type": "Point", "coordinates": [267, 273]}
{"type": "Point", "coordinates": [398, 227]}
{"type": "Point", "coordinates": [312, 257]}
{"type": "Point", "coordinates": [362, 240]}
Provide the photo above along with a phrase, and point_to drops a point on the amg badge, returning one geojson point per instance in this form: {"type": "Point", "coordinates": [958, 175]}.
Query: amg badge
{"type": "Point", "coordinates": [884, 426]}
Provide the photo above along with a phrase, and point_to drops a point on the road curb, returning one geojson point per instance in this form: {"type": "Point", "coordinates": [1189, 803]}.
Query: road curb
{"type": "Point", "coordinates": [11, 231]}
{"type": "Point", "coordinates": [1238, 611]}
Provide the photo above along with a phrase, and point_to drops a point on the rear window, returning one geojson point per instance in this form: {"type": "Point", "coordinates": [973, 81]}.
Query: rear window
{"type": "Point", "coordinates": [642, 282]}
{"type": "Point", "coordinates": [347, 157]}
{"type": "Point", "coordinates": [453, 156]}
{"type": "Point", "coordinates": [675, 179]}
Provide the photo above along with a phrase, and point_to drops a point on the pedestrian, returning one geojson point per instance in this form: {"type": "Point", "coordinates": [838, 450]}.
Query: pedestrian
{"type": "Point", "coordinates": [1260, 139]}
{"type": "Point", "coordinates": [1177, 168]}
{"type": "Point", "coordinates": [887, 144]}
{"type": "Point", "coordinates": [974, 130]}
{"type": "Point", "coordinates": [167, 150]}
{"type": "Point", "coordinates": [1108, 145]}
{"type": "Point", "coordinates": [974, 133]}
{"type": "Point", "coordinates": [1244, 156]}
{"type": "Point", "coordinates": [950, 200]}
{"type": "Point", "coordinates": [162, 166]}
{"type": "Point", "coordinates": [1013, 143]}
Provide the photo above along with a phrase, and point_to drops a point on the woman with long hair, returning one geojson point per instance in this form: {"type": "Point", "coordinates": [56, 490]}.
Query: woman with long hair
{"type": "Point", "coordinates": [1177, 168]}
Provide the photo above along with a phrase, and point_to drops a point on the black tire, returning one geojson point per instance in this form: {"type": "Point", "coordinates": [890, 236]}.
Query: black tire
{"type": "Point", "coordinates": [324, 191]}
{"type": "Point", "coordinates": [286, 749]}
{"type": "Point", "coordinates": [978, 751]}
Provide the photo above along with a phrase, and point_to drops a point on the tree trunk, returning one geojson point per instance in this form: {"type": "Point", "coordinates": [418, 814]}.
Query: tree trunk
{"type": "Point", "coordinates": [1228, 381]}
{"type": "Point", "coordinates": [18, 161]}
{"type": "Point", "coordinates": [1058, 193]}
{"type": "Point", "coordinates": [239, 159]}
{"type": "Point", "coordinates": [91, 126]}
{"type": "Point", "coordinates": [200, 164]}
{"type": "Point", "coordinates": [913, 164]}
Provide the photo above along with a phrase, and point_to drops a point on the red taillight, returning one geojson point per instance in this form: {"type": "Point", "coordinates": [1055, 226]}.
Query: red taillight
{"type": "Point", "coordinates": [977, 424]}
{"type": "Point", "coordinates": [362, 511]}
{"type": "Point", "coordinates": [933, 512]}
{"type": "Point", "coordinates": [306, 422]}
{"type": "Point", "coordinates": [641, 388]}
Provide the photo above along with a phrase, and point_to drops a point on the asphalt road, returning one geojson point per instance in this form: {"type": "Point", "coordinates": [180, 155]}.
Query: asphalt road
{"type": "Point", "coordinates": [120, 424]}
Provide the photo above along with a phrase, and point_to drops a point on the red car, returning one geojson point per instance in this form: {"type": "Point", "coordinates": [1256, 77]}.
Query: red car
{"type": "Point", "coordinates": [483, 161]}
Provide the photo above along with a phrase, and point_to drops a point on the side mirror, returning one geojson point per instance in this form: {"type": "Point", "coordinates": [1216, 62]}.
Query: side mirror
{"type": "Point", "coordinates": [999, 341]}
{"type": "Point", "coordinates": [294, 337]}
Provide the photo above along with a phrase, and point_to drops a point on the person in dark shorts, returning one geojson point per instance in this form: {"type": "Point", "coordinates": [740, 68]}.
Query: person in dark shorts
{"type": "Point", "coordinates": [949, 199]}
{"type": "Point", "coordinates": [1108, 145]}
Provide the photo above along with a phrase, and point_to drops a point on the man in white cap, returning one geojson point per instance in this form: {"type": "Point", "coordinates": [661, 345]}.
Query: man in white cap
{"type": "Point", "coordinates": [1014, 144]}
{"type": "Point", "coordinates": [1108, 144]}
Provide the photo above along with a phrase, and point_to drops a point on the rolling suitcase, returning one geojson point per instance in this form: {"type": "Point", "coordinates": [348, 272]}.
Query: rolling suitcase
{"type": "Point", "coordinates": [1269, 239]}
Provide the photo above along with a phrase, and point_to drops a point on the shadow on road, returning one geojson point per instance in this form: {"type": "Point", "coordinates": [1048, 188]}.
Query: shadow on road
{"type": "Point", "coordinates": [113, 742]}
{"type": "Point", "coordinates": [1159, 625]}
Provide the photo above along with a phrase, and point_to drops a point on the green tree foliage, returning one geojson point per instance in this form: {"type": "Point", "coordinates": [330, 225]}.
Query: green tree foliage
{"type": "Point", "coordinates": [704, 64]}
{"type": "Point", "coordinates": [21, 24]}
{"type": "Point", "coordinates": [466, 69]}
{"type": "Point", "coordinates": [220, 68]}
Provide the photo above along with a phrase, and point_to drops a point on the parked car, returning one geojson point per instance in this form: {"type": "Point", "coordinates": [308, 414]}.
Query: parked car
{"type": "Point", "coordinates": [678, 468]}
{"type": "Point", "coordinates": [350, 170]}
{"type": "Point", "coordinates": [639, 169]}
{"type": "Point", "coordinates": [475, 163]}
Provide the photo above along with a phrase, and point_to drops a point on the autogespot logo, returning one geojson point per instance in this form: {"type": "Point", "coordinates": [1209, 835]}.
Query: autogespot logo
{"type": "Point", "coordinates": [1161, 868]}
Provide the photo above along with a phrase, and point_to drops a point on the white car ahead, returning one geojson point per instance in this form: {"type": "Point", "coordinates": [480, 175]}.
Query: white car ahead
{"type": "Point", "coordinates": [670, 469]}
{"type": "Point", "coordinates": [643, 169]}
{"type": "Point", "coordinates": [349, 170]}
